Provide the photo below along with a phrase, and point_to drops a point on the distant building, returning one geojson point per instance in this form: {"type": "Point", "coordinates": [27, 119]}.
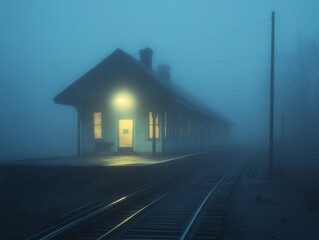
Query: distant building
{"type": "Point", "coordinates": [125, 106]}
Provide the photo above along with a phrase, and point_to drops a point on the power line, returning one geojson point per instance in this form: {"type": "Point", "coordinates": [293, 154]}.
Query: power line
{"type": "Point", "coordinates": [215, 35]}
{"type": "Point", "coordinates": [247, 76]}
{"type": "Point", "coordinates": [159, 49]}
{"type": "Point", "coordinates": [212, 35]}
{"type": "Point", "coordinates": [214, 61]}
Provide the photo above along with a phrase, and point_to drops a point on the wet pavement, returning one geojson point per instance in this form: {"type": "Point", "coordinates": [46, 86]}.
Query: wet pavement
{"type": "Point", "coordinates": [116, 160]}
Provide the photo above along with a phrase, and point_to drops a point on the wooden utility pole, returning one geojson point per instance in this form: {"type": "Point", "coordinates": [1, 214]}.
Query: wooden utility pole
{"type": "Point", "coordinates": [282, 155]}
{"type": "Point", "coordinates": [78, 133]}
{"type": "Point", "coordinates": [272, 100]}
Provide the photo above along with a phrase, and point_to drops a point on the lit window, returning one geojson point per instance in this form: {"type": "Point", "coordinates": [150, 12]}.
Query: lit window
{"type": "Point", "coordinates": [150, 126]}
{"type": "Point", "coordinates": [97, 125]}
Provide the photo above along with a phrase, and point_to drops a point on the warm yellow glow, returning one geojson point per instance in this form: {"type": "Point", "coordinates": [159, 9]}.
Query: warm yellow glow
{"type": "Point", "coordinates": [123, 101]}
{"type": "Point", "coordinates": [97, 125]}
{"type": "Point", "coordinates": [125, 133]}
{"type": "Point", "coordinates": [150, 126]}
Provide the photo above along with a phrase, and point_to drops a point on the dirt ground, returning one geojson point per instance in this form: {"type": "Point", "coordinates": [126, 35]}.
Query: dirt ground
{"type": "Point", "coordinates": [285, 208]}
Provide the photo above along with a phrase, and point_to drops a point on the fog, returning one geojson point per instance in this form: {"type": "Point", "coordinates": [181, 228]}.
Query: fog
{"type": "Point", "coordinates": [219, 50]}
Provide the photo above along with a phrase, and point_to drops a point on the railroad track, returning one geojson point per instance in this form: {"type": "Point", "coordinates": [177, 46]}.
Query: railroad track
{"type": "Point", "coordinates": [194, 212]}
{"type": "Point", "coordinates": [168, 208]}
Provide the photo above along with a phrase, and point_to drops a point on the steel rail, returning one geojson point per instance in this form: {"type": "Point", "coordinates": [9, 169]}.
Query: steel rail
{"type": "Point", "coordinates": [59, 229]}
{"type": "Point", "coordinates": [104, 236]}
{"type": "Point", "coordinates": [63, 227]}
{"type": "Point", "coordinates": [76, 222]}
{"type": "Point", "coordinates": [199, 209]}
{"type": "Point", "coordinates": [117, 228]}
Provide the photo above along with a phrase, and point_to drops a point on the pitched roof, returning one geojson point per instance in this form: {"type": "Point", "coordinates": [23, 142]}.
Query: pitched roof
{"type": "Point", "coordinates": [83, 86]}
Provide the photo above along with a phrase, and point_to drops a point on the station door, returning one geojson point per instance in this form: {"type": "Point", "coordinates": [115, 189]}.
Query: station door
{"type": "Point", "coordinates": [125, 135]}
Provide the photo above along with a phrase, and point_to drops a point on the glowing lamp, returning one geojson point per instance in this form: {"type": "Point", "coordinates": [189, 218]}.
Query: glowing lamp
{"type": "Point", "coordinates": [123, 101]}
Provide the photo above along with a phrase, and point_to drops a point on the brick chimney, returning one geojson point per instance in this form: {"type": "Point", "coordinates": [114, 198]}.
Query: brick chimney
{"type": "Point", "coordinates": [164, 72]}
{"type": "Point", "coordinates": [146, 57]}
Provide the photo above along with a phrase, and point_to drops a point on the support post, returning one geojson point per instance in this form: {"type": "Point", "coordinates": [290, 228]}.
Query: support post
{"type": "Point", "coordinates": [282, 155]}
{"type": "Point", "coordinates": [164, 129]}
{"type": "Point", "coordinates": [272, 90]}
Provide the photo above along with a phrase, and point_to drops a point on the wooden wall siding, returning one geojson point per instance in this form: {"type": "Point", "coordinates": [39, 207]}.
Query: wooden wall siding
{"type": "Point", "coordinates": [110, 126]}
{"type": "Point", "coordinates": [176, 144]}
{"type": "Point", "coordinates": [210, 138]}
{"type": "Point", "coordinates": [143, 144]}
{"type": "Point", "coordinates": [181, 145]}
{"type": "Point", "coordinates": [213, 135]}
{"type": "Point", "coordinates": [88, 143]}
{"type": "Point", "coordinates": [87, 140]}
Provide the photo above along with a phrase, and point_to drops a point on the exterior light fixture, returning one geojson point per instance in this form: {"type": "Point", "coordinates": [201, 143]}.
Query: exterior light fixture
{"type": "Point", "coordinates": [123, 101]}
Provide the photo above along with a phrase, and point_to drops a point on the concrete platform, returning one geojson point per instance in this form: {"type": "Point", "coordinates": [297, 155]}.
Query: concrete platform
{"type": "Point", "coordinates": [116, 160]}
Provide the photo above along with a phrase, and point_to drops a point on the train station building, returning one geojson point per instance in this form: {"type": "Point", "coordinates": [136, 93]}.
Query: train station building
{"type": "Point", "coordinates": [125, 106]}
